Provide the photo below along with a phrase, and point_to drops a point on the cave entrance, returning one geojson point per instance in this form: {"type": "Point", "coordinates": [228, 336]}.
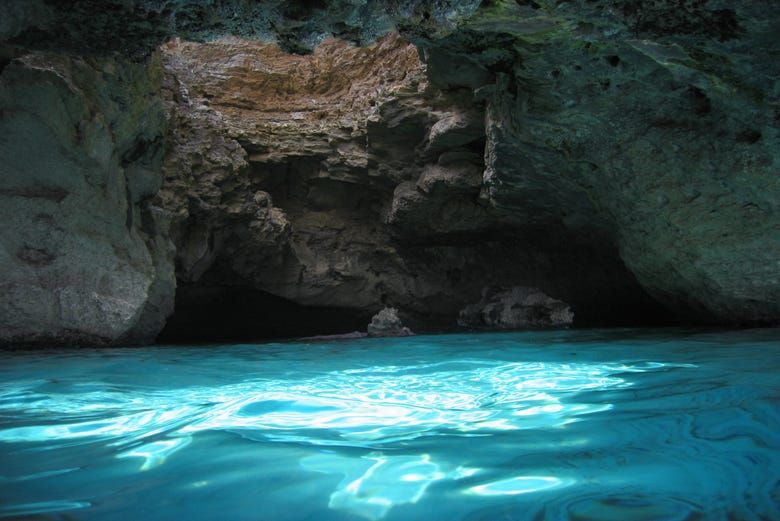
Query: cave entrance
{"type": "Point", "coordinates": [238, 314]}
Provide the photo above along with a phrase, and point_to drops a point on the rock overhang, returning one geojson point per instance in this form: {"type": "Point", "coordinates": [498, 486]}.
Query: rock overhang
{"type": "Point", "coordinates": [645, 133]}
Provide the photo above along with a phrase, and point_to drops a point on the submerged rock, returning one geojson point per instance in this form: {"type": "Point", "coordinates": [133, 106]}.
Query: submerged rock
{"type": "Point", "coordinates": [516, 308]}
{"type": "Point", "coordinates": [387, 323]}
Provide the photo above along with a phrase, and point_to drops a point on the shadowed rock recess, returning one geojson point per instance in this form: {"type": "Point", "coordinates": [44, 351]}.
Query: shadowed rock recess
{"type": "Point", "coordinates": [244, 170]}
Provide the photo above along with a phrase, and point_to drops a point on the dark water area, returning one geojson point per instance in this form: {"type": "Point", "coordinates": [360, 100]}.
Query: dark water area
{"type": "Point", "coordinates": [581, 425]}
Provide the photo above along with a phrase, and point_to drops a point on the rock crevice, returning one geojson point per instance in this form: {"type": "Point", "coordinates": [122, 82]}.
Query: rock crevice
{"type": "Point", "coordinates": [616, 155]}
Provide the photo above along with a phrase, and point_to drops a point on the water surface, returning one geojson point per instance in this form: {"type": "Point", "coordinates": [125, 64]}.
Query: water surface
{"type": "Point", "coordinates": [578, 425]}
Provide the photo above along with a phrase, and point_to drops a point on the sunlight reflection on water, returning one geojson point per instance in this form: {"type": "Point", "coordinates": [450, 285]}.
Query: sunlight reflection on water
{"type": "Point", "coordinates": [368, 408]}
{"type": "Point", "coordinates": [412, 429]}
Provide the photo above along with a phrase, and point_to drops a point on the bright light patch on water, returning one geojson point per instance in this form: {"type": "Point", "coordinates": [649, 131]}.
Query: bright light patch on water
{"type": "Point", "coordinates": [370, 408]}
{"type": "Point", "coordinates": [156, 452]}
{"type": "Point", "coordinates": [373, 484]}
{"type": "Point", "coordinates": [410, 431]}
{"type": "Point", "coordinates": [43, 507]}
{"type": "Point", "coordinates": [361, 407]}
{"type": "Point", "coordinates": [519, 485]}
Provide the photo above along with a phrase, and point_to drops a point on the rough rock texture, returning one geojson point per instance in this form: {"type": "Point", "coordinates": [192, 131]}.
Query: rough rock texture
{"type": "Point", "coordinates": [84, 257]}
{"type": "Point", "coordinates": [515, 308]}
{"type": "Point", "coordinates": [137, 27]}
{"type": "Point", "coordinates": [332, 180]}
{"type": "Point", "coordinates": [653, 125]}
{"type": "Point", "coordinates": [387, 323]}
{"type": "Point", "coordinates": [649, 129]}
{"type": "Point", "coordinates": [577, 147]}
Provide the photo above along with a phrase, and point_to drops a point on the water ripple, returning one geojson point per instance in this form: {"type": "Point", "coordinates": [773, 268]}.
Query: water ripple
{"type": "Point", "coordinates": [410, 429]}
{"type": "Point", "coordinates": [359, 407]}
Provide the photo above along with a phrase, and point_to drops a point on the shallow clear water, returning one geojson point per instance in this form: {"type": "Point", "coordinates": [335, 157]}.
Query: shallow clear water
{"type": "Point", "coordinates": [582, 425]}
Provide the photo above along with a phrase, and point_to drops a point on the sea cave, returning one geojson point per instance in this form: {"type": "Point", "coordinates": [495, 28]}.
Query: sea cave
{"type": "Point", "coordinates": [390, 260]}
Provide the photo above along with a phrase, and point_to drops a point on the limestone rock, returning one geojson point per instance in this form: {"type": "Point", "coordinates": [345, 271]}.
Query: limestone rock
{"type": "Point", "coordinates": [20, 15]}
{"type": "Point", "coordinates": [582, 148]}
{"type": "Point", "coordinates": [637, 133]}
{"type": "Point", "coordinates": [387, 323]}
{"type": "Point", "coordinates": [516, 308]}
{"type": "Point", "coordinates": [85, 259]}
{"type": "Point", "coordinates": [455, 129]}
{"type": "Point", "coordinates": [372, 178]}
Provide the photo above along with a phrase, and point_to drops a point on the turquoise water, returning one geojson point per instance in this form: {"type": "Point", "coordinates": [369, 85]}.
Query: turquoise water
{"type": "Point", "coordinates": [580, 425]}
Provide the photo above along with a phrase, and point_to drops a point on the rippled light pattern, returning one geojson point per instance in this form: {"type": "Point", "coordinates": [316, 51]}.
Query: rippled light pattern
{"type": "Point", "coordinates": [377, 428]}
{"type": "Point", "coordinates": [361, 407]}
{"type": "Point", "coordinates": [519, 485]}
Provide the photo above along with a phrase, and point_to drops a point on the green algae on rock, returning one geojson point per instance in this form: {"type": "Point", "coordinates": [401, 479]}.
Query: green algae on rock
{"type": "Point", "coordinates": [598, 150]}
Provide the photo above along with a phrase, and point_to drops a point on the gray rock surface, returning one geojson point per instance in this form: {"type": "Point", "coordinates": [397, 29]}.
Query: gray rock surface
{"type": "Point", "coordinates": [516, 308]}
{"type": "Point", "coordinates": [85, 259]}
{"type": "Point", "coordinates": [655, 125]}
{"type": "Point", "coordinates": [137, 27]}
{"type": "Point", "coordinates": [585, 148]}
{"type": "Point", "coordinates": [387, 323]}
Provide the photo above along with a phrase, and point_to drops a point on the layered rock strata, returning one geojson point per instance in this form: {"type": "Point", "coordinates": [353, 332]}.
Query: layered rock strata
{"type": "Point", "coordinates": [332, 180]}
{"type": "Point", "coordinates": [576, 147]}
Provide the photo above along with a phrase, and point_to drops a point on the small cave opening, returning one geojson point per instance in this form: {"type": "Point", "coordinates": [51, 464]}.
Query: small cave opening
{"type": "Point", "coordinates": [217, 314]}
{"type": "Point", "coordinates": [636, 309]}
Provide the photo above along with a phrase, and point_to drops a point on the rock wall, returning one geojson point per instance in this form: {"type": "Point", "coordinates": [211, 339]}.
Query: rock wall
{"type": "Point", "coordinates": [652, 124]}
{"type": "Point", "coordinates": [333, 180]}
{"type": "Point", "coordinates": [515, 308]}
{"type": "Point", "coordinates": [597, 150]}
{"type": "Point", "coordinates": [85, 259]}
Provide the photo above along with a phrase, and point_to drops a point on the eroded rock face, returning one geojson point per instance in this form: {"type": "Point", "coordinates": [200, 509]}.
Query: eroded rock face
{"type": "Point", "coordinates": [387, 323]}
{"type": "Point", "coordinates": [651, 125]}
{"type": "Point", "coordinates": [137, 27]}
{"type": "Point", "coordinates": [516, 308]}
{"type": "Point", "coordinates": [258, 126]}
{"type": "Point", "coordinates": [606, 127]}
{"type": "Point", "coordinates": [575, 147]}
{"type": "Point", "coordinates": [333, 180]}
{"type": "Point", "coordinates": [85, 257]}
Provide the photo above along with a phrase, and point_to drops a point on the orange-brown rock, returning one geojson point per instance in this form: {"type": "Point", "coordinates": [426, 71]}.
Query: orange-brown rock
{"type": "Point", "coordinates": [335, 180]}
{"type": "Point", "coordinates": [518, 144]}
{"type": "Point", "coordinates": [322, 139]}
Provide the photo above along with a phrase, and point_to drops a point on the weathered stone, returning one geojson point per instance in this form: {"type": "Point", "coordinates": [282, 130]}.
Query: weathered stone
{"type": "Point", "coordinates": [84, 260]}
{"type": "Point", "coordinates": [343, 146]}
{"type": "Point", "coordinates": [655, 129]}
{"type": "Point", "coordinates": [387, 323]}
{"type": "Point", "coordinates": [516, 308]}
{"type": "Point", "coordinates": [460, 176]}
{"type": "Point", "coordinates": [20, 15]}
{"type": "Point", "coordinates": [455, 129]}
{"type": "Point", "coordinates": [537, 144]}
{"type": "Point", "coordinates": [138, 27]}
